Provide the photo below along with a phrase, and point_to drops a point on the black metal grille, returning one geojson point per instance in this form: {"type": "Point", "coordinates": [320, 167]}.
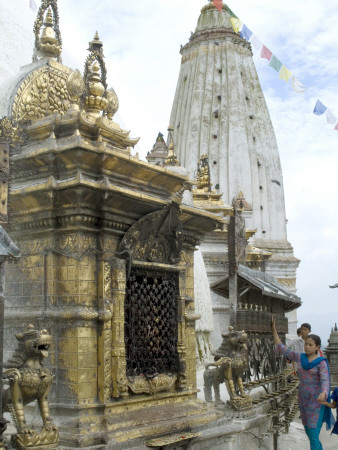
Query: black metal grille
{"type": "Point", "coordinates": [151, 323]}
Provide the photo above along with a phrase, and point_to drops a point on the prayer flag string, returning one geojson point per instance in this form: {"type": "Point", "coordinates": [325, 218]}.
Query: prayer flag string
{"type": "Point", "coordinates": [284, 73]}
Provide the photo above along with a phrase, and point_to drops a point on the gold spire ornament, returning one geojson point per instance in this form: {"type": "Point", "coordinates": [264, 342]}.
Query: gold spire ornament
{"type": "Point", "coordinates": [171, 159]}
{"type": "Point", "coordinates": [49, 42]}
{"type": "Point", "coordinates": [95, 76]}
{"type": "Point", "coordinates": [95, 102]}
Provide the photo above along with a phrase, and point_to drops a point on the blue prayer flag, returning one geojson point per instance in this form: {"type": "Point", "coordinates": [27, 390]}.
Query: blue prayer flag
{"type": "Point", "coordinates": [245, 32]}
{"type": "Point", "coordinates": [319, 108]}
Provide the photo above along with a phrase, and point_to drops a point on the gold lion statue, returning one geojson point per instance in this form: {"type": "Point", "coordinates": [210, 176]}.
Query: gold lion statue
{"type": "Point", "coordinates": [29, 381]}
{"type": "Point", "coordinates": [231, 363]}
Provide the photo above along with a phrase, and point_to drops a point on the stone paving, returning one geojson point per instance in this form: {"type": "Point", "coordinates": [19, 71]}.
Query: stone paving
{"type": "Point", "coordinates": [296, 439]}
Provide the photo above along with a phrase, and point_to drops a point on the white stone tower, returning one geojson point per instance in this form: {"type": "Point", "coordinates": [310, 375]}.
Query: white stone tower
{"type": "Point", "coordinates": [219, 110]}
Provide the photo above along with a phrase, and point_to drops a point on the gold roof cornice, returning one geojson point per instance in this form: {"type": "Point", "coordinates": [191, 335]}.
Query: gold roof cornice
{"type": "Point", "coordinates": [90, 128]}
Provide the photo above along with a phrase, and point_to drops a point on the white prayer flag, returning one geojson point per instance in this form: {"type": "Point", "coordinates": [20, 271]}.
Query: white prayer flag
{"type": "Point", "coordinates": [297, 86]}
{"type": "Point", "coordinates": [256, 42]}
{"type": "Point", "coordinates": [330, 117]}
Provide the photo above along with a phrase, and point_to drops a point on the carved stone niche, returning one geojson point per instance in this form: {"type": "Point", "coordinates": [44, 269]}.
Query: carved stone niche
{"type": "Point", "coordinates": [152, 249]}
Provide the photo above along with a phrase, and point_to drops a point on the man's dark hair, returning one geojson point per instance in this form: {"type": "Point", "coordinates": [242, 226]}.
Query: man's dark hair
{"type": "Point", "coordinates": [306, 325]}
{"type": "Point", "coordinates": [298, 331]}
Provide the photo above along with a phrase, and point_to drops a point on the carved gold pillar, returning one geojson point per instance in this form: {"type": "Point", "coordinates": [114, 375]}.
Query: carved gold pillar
{"type": "Point", "coordinates": [181, 347]}
{"type": "Point", "coordinates": [118, 352]}
{"type": "Point", "coordinates": [105, 331]}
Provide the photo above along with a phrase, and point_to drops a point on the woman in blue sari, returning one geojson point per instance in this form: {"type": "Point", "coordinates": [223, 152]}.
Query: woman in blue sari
{"type": "Point", "coordinates": [314, 386]}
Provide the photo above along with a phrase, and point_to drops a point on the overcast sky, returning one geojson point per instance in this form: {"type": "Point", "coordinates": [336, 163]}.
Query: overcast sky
{"type": "Point", "coordinates": [141, 45]}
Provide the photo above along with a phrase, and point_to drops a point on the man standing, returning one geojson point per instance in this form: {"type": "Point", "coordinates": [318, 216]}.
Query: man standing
{"type": "Point", "coordinates": [297, 345]}
{"type": "Point", "coordinates": [305, 330]}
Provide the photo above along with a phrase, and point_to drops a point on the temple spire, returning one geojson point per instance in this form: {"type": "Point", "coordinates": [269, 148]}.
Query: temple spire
{"type": "Point", "coordinates": [171, 159]}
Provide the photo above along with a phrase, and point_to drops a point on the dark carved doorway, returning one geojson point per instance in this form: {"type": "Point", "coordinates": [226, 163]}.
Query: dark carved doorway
{"type": "Point", "coordinates": [151, 322]}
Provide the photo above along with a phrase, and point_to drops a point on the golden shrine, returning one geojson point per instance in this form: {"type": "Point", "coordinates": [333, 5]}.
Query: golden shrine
{"type": "Point", "coordinates": [106, 255]}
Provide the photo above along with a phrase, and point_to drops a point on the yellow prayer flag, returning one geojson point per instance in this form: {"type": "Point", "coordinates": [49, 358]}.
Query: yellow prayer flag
{"type": "Point", "coordinates": [285, 74]}
{"type": "Point", "coordinates": [236, 24]}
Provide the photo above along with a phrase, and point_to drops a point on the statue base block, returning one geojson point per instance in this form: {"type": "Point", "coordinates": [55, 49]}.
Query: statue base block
{"type": "Point", "coordinates": [45, 439]}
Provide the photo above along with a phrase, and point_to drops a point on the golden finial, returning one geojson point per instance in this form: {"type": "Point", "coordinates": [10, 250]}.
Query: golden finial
{"type": "Point", "coordinates": [171, 159]}
{"type": "Point", "coordinates": [95, 102]}
{"type": "Point", "coordinates": [49, 42]}
{"type": "Point", "coordinates": [95, 44]}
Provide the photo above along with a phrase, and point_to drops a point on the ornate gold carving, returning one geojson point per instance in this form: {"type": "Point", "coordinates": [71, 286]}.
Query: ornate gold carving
{"type": "Point", "coordinates": [71, 243]}
{"type": "Point", "coordinates": [160, 383]}
{"type": "Point", "coordinates": [105, 340]}
{"type": "Point", "coordinates": [113, 103]}
{"type": "Point", "coordinates": [157, 237]}
{"type": "Point", "coordinates": [203, 180]}
{"type": "Point", "coordinates": [42, 93]}
{"type": "Point", "coordinates": [118, 273]}
{"type": "Point", "coordinates": [49, 43]}
{"type": "Point", "coordinates": [107, 280]}
{"type": "Point", "coordinates": [30, 381]}
{"type": "Point", "coordinates": [76, 88]}
{"type": "Point", "coordinates": [76, 242]}
{"type": "Point", "coordinates": [45, 439]}
{"type": "Point", "coordinates": [7, 130]}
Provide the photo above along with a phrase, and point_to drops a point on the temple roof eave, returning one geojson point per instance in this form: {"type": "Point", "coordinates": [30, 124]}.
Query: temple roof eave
{"type": "Point", "coordinates": [266, 284]}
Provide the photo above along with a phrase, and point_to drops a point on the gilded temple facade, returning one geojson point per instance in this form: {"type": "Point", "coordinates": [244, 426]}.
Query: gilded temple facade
{"type": "Point", "coordinates": [106, 251]}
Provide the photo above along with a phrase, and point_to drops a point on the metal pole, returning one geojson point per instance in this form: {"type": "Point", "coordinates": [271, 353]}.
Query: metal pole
{"type": "Point", "coordinates": [3, 422]}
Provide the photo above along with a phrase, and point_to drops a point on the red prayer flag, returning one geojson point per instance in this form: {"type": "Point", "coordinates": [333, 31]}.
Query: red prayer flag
{"type": "Point", "coordinates": [218, 4]}
{"type": "Point", "coordinates": [265, 53]}
{"type": "Point", "coordinates": [336, 127]}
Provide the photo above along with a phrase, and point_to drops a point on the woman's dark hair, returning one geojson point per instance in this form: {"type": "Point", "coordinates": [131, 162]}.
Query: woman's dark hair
{"type": "Point", "coordinates": [315, 338]}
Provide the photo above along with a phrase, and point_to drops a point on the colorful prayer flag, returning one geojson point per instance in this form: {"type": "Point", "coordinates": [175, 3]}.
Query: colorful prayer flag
{"type": "Point", "coordinates": [319, 108]}
{"type": "Point", "coordinates": [32, 5]}
{"type": "Point", "coordinates": [236, 24]}
{"type": "Point", "coordinates": [256, 42]}
{"type": "Point", "coordinates": [218, 4]}
{"type": "Point", "coordinates": [275, 63]}
{"type": "Point", "coordinates": [330, 117]}
{"type": "Point", "coordinates": [285, 73]}
{"type": "Point", "coordinates": [297, 86]}
{"type": "Point", "coordinates": [265, 53]}
{"type": "Point", "coordinates": [245, 32]}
